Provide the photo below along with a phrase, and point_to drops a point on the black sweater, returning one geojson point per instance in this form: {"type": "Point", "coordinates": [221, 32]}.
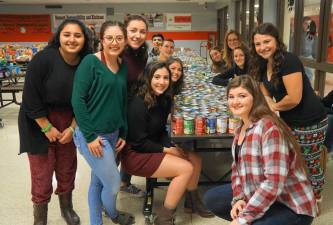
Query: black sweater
{"type": "Point", "coordinates": [328, 102]}
{"type": "Point", "coordinates": [223, 78]}
{"type": "Point", "coordinates": [146, 127]}
{"type": "Point", "coordinates": [48, 84]}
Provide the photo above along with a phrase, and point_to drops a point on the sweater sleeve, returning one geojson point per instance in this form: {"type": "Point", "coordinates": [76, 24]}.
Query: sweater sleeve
{"type": "Point", "coordinates": [123, 130]}
{"type": "Point", "coordinates": [138, 116]}
{"type": "Point", "coordinates": [81, 87]}
{"type": "Point", "coordinates": [33, 103]}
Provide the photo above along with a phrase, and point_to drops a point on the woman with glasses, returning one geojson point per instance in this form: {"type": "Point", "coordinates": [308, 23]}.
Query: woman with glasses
{"type": "Point", "coordinates": [100, 101]}
{"type": "Point", "coordinates": [231, 41]}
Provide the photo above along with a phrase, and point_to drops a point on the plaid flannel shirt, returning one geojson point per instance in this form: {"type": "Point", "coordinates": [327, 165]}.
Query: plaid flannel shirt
{"type": "Point", "coordinates": [265, 173]}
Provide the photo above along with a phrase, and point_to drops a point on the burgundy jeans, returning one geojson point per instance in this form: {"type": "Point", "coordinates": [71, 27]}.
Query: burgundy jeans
{"type": "Point", "coordinates": [60, 159]}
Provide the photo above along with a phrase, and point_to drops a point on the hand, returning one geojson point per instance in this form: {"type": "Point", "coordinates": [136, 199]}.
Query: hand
{"type": "Point", "coordinates": [53, 134]}
{"type": "Point", "coordinates": [270, 103]}
{"type": "Point", "coordinates": [120, 145]}
{"type": "Point", "coordinates": [66, 136]}
{"type": "Point", "coordinates": [96, 147]}
{"type": "Point", "coordinates": [237, 208]}
{"type": "Point", "coordinates": [175, 151]}
{"type": "Point", "coordinates": [234, 222]}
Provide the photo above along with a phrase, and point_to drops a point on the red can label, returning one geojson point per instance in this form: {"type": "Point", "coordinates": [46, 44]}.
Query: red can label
{"type": "Point", "coordinates": [178, 125]}
{"type": "Point", "coordinates": [200, 125]}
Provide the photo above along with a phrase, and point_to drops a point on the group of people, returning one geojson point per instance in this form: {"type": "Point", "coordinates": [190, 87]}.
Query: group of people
{"type": "Point", "coordinates": [114, 106]}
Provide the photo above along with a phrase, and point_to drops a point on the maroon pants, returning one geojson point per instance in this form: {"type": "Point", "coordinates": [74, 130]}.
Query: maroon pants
{"type": "Point", "coordinates": [60, 159]}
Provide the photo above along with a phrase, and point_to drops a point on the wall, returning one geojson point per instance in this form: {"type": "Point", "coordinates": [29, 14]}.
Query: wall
{"type": "Point", "coordinates": [203, 19]}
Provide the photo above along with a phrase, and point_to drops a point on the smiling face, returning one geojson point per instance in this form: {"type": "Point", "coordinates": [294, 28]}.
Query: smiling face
{"type": "Point", "coordinates": [160, 81]}
{"type": "Point", "coordinates": [113, 41]}
{"type": "Point", "coordinates": [176, 71]}
{"type": "Point", "coordinates": [167, 49]}
{"type": "Point", "coordinates": [265, 45]}
{"type": "Point", "coordinates": [71, 39]}
{"type": "Point", "coordinates": [136, 33]}
{"type": "Point", "coordinates": [239, 57]}
{"type": "Point", "coordinates": [240, 102]}
{"type": "Point", "coordinates": [233, 41]}
{"type": "Point", "coordinates": [215, 55]}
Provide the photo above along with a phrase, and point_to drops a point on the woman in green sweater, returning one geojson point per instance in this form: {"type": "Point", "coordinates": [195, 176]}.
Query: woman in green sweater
{"type": "Point", "coordinates": [99, 101]}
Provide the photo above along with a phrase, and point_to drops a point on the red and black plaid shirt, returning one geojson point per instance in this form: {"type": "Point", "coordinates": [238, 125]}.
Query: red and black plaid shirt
{"type": "Point", "coordinates": [265, 172]}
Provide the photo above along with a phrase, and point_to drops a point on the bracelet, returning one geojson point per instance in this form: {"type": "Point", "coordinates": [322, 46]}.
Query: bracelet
{"type": "Point", "coordinates": [71, 128]}
{"type": "Point", "coordinates": [47, 129]}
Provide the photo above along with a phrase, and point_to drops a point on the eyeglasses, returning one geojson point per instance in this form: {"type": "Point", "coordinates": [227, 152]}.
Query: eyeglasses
{"type": "Point", "coordinates": [157, 39]}
{"type": "Point", "coordinates": [118, 39]}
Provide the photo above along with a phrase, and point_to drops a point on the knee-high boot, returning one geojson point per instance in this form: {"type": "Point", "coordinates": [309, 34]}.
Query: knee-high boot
{"type": "Point", "coordinates": [40, 213]}
{"type": "Point", "coordinates": [67, 211]}
{"type": "Point", "coordinates": [194, 204]}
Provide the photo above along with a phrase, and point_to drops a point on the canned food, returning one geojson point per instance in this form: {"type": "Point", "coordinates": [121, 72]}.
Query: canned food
{"type": "Point", "coordinates": [211, 125]}
{"type": "Point", "coordinates": [200, 125]}
{"type": "Point", "coordinates": [222, 124]}
{"type": "Point", "coordinates": [234, 123]}
{"type": "Point", "coordinates": [188, 125]}
{"type": "Point", "coordinates": [178, 126]}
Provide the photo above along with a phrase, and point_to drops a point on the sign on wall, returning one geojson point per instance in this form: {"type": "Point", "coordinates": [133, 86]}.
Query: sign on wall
{"type": "Point", "coordinates": [24, 28]}
{"type": "Point", "coordinates": [96, 19]}
{"type": "Point", "coordinates": [178, 21]}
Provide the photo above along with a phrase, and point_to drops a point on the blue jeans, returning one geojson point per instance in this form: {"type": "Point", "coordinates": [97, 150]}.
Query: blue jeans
{"type": "Point", "coordinates": [105, 178]}
{"type": "Point", "coordinates": [218, 201]}
{"type": "Point", "coordinates": [329, 134]}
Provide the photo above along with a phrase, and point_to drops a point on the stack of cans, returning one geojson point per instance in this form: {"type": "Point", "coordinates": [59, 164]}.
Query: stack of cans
{"type": "Point", "coordinates": [201, 107]}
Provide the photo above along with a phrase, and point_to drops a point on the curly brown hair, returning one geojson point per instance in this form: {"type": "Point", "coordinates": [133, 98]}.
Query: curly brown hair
{"type": "Point", "coordinates": [257, 61]}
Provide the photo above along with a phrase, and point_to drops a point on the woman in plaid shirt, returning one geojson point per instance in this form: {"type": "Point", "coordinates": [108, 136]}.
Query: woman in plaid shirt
{"type": "Point", "coordinates": [269, 185]}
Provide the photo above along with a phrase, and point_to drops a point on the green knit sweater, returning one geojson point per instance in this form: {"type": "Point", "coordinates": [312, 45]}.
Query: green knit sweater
{"type": "Point", "coordinates": [99, 98]}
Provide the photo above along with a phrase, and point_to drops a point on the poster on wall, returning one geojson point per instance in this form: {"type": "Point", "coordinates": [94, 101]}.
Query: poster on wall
{"type": "Point", "coordinates": [95, 19]}
{"type": "Point", "coordinates": [178, 21]}
{"type": "Point", "coordinates": [24, 28]}
{"type": "Point", "coordinates": [155, 20]}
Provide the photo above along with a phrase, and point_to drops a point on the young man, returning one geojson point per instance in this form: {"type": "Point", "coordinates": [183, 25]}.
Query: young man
{"type": "Point", "coordinates": [157, 40]}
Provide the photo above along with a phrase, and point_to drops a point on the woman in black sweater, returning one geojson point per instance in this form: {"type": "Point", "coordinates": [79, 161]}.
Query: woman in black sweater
{"type": "Point", "coordinates": [151, 153]}
{"type": "Point", "coordinates": [46, 120]}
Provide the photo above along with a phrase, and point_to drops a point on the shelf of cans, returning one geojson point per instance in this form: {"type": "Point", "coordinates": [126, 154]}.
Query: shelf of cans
{"type": "Point", "coordinates": [201, 107]}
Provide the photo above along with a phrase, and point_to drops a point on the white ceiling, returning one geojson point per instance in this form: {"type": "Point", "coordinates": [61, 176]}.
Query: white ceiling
{"type": "Point", "coordinates": [99, 1]}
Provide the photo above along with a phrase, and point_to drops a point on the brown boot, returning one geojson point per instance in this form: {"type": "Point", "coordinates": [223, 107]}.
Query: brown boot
{"type": "Point", "coordinates": [40, 214]}
{"type": "Point", "coordinates": [165, 216]}
{"type": "Point", "coordinates": [194, 204]}
{"type": "Point", "coordinates": [66, 207]}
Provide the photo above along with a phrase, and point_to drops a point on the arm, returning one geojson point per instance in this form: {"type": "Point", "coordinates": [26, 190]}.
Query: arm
{"type": "Point", "coordinates": [275, 158]}
{"type": "Point", "coordinates": [294, 95]}
{"type": "Point", "coordinates": [237, 189]}
{"type": "Point", "coordinates": [267, 96]}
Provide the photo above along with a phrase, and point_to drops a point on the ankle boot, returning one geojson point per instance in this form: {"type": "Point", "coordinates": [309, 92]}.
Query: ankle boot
{"type": "Point", "coordinates": [194, 204]}
{"type": "Point", "coordinates": [40, 214]}
{"type": "Point", "coordinates": [67, 211]}
{"type": "Point", "coordinates": [165, 216]}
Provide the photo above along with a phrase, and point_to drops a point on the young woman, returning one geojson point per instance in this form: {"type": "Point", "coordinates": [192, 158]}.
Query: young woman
{"type": "Point", "coordinates": [99, 101]}
{"type": "Point", "coordinates": [150, 152]}
{"type": "Point", "coordinates": [231, 41]}
{"type": "Point", "coordinates": [269, 185]}
{"type": "Point", "coordinates": [240, 66]}
{"type": "Point", "coordinates": [279, 72]}
{"type": "Point", "coordinates": [218, 65]}
{"type": "Point", "coordinates": [46, 119]}
{"type": "Point", "coordinates": [175, 66]}
{"type": "Point", "coordinates": [136, 56]}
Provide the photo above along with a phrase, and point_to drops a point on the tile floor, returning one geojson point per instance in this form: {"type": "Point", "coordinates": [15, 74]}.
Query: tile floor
{"type": "Point", "coordinates": [16, 207]}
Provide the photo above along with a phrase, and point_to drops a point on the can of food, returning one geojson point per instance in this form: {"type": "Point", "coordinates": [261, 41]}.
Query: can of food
{"type": "Point", "coordinates": [234, 123]}
{"type": "Point", "coordinates": [200, 125]}
{"type": "Point", "coordinates": [221, 124]}
{"type": "Point", "coordinates": [178, 125]}
{"type": "Point", "coordinates": [211, 125]}
{"type": "Point", "coordinates": [188, 125]}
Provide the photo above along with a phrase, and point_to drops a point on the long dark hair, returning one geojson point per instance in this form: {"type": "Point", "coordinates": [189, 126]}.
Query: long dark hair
{"type": "Point", "coordinates": [260, 109]}
{"type": "Point", "coordinates": [141, 52]}
{"type": "Point", "coordinates": [54, 42]}
{"type": "Point", "coordinates": [178, 85]}
{"type": "Point", "coordinates": [227, 52]}
{"type": "Point", "coordinates": [258, 62]}
{"type": "Point", "coordinates": [146, 90]}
